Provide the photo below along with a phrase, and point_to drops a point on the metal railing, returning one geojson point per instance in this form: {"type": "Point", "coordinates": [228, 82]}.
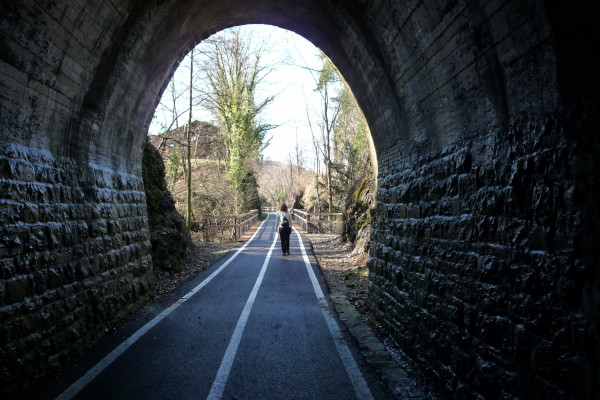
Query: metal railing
{"type": "Point", "coordinates": [318, 222]}
{"type": "Point", "coordinates": [233, 226]}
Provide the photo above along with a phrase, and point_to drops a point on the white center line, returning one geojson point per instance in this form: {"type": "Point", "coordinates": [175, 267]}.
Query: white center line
{"type": "Point", "coordinates": [361, 389]}
{"type": "Point", "coordinates": [218, 386]}
{"type": "Point", "coordinates": [82, 382]}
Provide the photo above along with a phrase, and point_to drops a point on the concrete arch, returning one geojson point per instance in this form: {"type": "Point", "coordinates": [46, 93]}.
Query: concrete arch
{"type": "Point", "coordinates": [173, 28]}
{"type": "Point", "coordinates": [484, 258]}
{"type": "Point", "coordinates": [154, 38]}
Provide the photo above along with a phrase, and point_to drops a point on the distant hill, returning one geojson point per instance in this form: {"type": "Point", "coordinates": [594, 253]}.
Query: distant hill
{"type": "Point", "coordinates": [206, 140]}
{"type": "Point", "coordinates": [280, 182]}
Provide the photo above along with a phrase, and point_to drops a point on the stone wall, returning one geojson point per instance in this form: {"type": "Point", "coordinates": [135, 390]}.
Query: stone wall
{"type": "Point", "coordinates": [74, 241]}
{"type": "Point", "coordinates": [484, 251]}
{"type": "Point", "coordinates": [484, 260]}
{"type": "Point", "coordinates": [74, 259]}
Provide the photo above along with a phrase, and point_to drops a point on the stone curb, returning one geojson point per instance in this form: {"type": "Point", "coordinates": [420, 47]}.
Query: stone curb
{"type": "Point", "coordinates": [376, 354]}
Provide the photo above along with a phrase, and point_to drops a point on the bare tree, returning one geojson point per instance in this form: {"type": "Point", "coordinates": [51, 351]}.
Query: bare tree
{"type": "Point", "coordinates": [317, 147]}
{"type": "Point", "coordinates": [352, 151]}
{"type": "Point", "coordinates": [290, 160]}
{"type": "Point", "coordinates": [170, 112]}
{"type": "Point", "coordinates": [299, 155]}
{"type": "Point", "coordinates": [330, 111]}
{"type": "Point", "coordinates": [174, 104]}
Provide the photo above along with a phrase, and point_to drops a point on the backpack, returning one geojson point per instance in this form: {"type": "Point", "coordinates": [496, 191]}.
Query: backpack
{"type": "Point", "coordinates": [284, 222]}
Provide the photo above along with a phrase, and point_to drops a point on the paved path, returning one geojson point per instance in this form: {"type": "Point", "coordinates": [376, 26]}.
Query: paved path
{"type": "Point", "coordinates": [255, 325]}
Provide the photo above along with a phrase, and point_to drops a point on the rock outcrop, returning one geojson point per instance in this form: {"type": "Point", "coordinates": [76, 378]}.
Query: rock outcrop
{"type": "Point", "coordinates": [168, 234]}
{"type": "Point", "coordinates": [357, 215]}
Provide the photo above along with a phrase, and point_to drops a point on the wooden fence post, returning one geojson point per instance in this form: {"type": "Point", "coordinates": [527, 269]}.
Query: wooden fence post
{"type": "Point", "coordinates": [235, 222]}
{"type": "Point", "coordinates": [319, 223]}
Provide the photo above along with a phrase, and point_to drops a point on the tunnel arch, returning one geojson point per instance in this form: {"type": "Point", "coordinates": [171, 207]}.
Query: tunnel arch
{"type": "Point", "coordinates": [484, 116]}
{"type": "Point", "coordinates": [154, 38]}
{"type": "Point", "coordinates": [155, 62]}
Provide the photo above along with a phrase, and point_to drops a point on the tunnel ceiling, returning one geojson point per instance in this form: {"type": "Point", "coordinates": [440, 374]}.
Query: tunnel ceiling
{"type": "Point", "coordinates": [424, 74]}
{"type": "Point", "coordinates": [146, 48]}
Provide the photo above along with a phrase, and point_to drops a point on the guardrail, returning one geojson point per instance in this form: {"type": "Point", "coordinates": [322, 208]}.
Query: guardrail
{"type": "Point", "coordinates": [318, 222]}
{"type": "Point", "coordinates": [236, 224]}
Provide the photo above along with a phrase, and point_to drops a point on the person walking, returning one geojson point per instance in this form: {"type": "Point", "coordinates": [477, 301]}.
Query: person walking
{"type": "Point", "coordinates": [284, 228]}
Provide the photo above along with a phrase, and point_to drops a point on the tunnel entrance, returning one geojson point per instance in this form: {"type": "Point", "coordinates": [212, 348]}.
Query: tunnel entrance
{"type": "Point", "coordinates": [302, 122]}
{"type": "Point", "coordinates": [484, 249]}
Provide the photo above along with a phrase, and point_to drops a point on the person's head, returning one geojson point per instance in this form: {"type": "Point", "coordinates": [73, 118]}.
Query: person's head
{"type": "Point", "coordinates": [283, 207]}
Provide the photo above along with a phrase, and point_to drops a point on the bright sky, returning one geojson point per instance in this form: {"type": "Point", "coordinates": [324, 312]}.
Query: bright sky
{"type": "Point", "coordinates": [292, 85]}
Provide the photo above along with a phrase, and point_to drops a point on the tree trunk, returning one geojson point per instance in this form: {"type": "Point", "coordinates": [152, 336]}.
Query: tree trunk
{"type": "Point", "coordinates": [189, 148]}
{"type": "Point", "coordinates": [318, 200]}
{"type": "Point", "coordinates": [329, 183]}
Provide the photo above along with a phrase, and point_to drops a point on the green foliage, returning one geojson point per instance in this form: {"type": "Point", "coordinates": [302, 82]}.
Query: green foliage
{"type": "Point", "coordinates": [328, 74]}
{"type": "Point", "coordinates": [251, 199]}
{"type": "Point", "coordinates": [234, 73]}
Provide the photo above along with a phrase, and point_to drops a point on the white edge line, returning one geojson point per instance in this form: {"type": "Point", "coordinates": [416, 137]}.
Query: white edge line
{"type": "Point", "coordinates": [361, 389]}
{"type": "Point", "coordinates": [90, 375]}
{"type": "Point", "coordinates": [218, 386]}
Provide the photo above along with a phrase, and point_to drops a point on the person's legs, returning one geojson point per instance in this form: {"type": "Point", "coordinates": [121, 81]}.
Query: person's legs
{"type": "Point", "coordinates": [287, 240]}
{"type": "Point", "coordinates": [282, 238]}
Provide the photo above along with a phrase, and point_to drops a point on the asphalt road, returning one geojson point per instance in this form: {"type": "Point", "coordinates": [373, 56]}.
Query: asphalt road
{"type": "Point", "coordinates": [255, 325]}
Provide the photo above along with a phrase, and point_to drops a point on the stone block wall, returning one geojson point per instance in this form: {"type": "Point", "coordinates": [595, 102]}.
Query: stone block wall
{"type": "Point", "coordinates": [484, 260]}
{"type": "Point", "coordinates": [74, 241]}
{"type": "Point", "coordinates": [74, 259]}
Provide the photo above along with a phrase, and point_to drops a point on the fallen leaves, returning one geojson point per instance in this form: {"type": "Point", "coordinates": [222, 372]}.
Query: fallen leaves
{"type": "Point", "coordinates": [200, 256]}
{"type": "Point", "coordinates": [344, 272]}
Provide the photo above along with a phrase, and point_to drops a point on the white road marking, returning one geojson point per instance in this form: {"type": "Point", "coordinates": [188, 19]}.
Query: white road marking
{"type": "Point", "coordinates": [82, 382]}
{"type": "Point", "coordinates": [218, 386]}
{"type": "Point", "coordinates": [361, 389]}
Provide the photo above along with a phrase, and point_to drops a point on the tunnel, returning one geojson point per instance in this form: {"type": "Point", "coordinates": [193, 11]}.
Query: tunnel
{"type": "Point", "coordinates": [484, 117]}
